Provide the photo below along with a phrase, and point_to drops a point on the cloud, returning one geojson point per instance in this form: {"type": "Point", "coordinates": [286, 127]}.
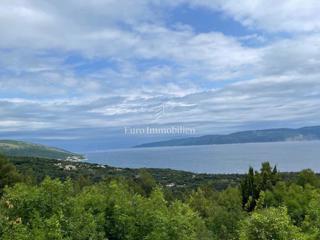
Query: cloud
{"type": "Point", "coordinates": [157, 55]}
{"type": "Point", "coordinates": [92, 64]}
{"type": "Point", "coordinates": [271, 99]}
{"type": "Point", "coordinates": [273, 16]}
{"type": "Point", "coordinates": [299, 55]}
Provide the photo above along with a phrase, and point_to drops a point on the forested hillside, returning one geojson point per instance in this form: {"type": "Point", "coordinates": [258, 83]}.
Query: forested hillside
{"type": "Point", "coordinates": [20, 148]}
{"type": "Point", "coordinates": [254, 136]}
{"type": "Point", "coordinates": [265, 205]}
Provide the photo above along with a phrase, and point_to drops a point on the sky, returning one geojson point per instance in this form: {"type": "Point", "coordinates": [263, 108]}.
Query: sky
{"type": "Point", "coordinates": [75, 73]}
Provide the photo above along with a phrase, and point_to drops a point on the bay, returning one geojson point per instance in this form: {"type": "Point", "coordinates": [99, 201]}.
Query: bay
{"type": "Point", "coordinates": [228, 158]}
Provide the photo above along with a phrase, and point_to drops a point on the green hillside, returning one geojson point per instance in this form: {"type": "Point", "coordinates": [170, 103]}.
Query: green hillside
{"type": "Point", "coordinates": [254, 136]}
{"type": "Point", "coordinates": [19, 148]}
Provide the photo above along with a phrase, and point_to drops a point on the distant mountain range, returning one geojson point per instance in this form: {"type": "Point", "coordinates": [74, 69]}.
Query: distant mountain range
{"type": "Point", "coordinates": [20, 148]}
{"type": "Point", "coordinates": [256, 136]}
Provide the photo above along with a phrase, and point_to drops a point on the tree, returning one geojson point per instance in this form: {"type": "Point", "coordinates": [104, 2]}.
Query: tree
{"type": "Point", "coordinates": [8, 174]}
{"type": "Point", "coordinates": [49, 211]}
{"type": "Point", "coordinates": [296, 198]}
{"type": "Point", "coordinates": [307, 176]}
{"type": "Point", "coordinates": [269, 224]}
{"type": "Point", "coordinates": [311, 222]}
{"type": "Point", "coordinates": [146, 181]}
{"type": "Point", "coordinates": [131, 216]}
{"type": "Point", "coordinates": [222, 211]}
{"type": "Point", "coordinates": [255, 182]}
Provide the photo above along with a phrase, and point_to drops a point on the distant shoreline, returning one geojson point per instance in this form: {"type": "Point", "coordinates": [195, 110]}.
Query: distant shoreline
{"type": "Point", "coordinates": [253, 136]}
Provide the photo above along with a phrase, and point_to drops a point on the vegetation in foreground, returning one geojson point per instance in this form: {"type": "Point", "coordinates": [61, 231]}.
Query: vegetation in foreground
{"type": "Point", "coordinates": [263, 207]}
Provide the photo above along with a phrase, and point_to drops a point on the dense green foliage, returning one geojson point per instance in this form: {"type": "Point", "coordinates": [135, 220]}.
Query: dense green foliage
{"type": "Point", "coordinates": [271, 223]}
{"type": "Point", "coordinates": [109, 210]}
{"type": "Point", "coordinates": [8, 174]}
{"type": "Point", "coordinates": [181, 181]}
{"type": "Point", "coordinates": [255, 183]}
{"type": "Point", "coordinates": [135, 204]}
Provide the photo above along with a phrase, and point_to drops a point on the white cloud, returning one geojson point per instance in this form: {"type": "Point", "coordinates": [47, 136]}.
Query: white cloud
{"type": "Point", "coordinates": [271, 15]}
{"type": "Point", "coordinates": [298, 55]}
{"type": "Point", "coordinates": [206, 78]}
{"type": "Point", "coordinates": [269, 99]}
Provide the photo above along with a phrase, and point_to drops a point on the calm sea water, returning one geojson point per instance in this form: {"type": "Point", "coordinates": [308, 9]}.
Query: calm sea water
{"type": "Point", "coordinates": [231, 158]}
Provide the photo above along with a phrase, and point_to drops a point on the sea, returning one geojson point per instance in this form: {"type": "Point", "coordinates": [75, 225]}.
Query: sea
{"type": "Point", "coordinates": [218, 159]}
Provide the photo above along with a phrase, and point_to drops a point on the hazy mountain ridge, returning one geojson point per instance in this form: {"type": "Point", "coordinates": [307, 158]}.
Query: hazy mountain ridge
{"type": "Point", "coordinates": [254, 136]}
{"type": "Point", "coordinates": [25, 149]}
